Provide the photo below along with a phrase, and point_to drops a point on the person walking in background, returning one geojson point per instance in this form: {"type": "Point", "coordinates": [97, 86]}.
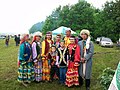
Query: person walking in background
{"type": "Point", "coordinates": [46, 49]}
{"type": "Point", "coordinates": [16, 40]}
{"type": "Point", "coordinates": [86, 53]}
{"type": "Point", "coordinates": [7, 40]}
{"type": "Point", "coordinates": [25, 66]}
{"type": "Point", "coordinates": [72, 76]}
{"type": "Point", "coordinates": [61, 61]}
{"type": "Point", "coordinates": [36, 56]}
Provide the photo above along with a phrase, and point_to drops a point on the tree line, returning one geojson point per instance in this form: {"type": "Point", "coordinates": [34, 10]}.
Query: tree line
{"type": "Point", "coordinates": [82, 15]}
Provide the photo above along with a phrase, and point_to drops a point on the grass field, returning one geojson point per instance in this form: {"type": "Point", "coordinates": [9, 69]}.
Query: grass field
{"type": "Point", "coordinates": [103, 57]}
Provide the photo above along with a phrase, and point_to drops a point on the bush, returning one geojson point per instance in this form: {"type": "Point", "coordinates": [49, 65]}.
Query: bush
{"type": "Point", "coordinates": [106, 77]}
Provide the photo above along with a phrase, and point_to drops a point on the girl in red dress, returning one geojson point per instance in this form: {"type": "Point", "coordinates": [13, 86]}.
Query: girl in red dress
{"type": "Point", "coordinates": [74, 59]}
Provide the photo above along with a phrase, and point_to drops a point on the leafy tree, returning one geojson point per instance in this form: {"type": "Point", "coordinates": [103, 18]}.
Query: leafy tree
{"type": "Point", "coordinates": [107, 21]}
{"type": "Point", "coordinates": [100, 22]}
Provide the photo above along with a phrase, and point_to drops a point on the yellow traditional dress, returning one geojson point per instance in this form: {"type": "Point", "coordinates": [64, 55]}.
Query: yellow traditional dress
{"type": "Point", "coordinates": [46, 48]}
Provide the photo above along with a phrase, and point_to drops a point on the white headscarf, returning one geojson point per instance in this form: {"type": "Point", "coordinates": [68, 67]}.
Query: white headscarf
{"type": "Point", "coordinates": [85, 31]}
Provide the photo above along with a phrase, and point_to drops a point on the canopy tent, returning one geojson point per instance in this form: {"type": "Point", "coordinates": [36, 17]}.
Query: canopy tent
{"type": "Point", "coordinates": [62, 30]}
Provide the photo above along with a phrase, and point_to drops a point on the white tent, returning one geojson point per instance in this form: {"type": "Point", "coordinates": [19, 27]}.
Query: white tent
{"type": "Point", "coordinates": [62, 30]}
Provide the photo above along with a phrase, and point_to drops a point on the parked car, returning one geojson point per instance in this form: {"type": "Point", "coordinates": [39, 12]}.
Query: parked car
{"type": "Point", "coordinates": [106, 42]}
{"type": "Point", "coordinates": [98, 40]}
{"type": "Point", "coordinates": [118, 43]}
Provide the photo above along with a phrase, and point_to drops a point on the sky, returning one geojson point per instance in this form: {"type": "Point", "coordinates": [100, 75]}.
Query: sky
{"type": "Point", "coordinates": [18, 16]}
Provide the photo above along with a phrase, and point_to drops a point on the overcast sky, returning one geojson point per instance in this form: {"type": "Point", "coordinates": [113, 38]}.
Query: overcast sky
{"type": "Point", "coordinates": [17, 16]}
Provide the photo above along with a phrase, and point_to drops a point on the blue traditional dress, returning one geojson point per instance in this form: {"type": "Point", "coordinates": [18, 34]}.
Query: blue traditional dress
{"type": "Point", "coordinates": [25, 70]}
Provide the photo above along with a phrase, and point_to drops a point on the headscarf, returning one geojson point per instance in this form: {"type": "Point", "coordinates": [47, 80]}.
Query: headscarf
{"type": "Point", "coordinates": [87, 32]}
{"type": "Point", "coordinates": [22, 38]}
{"type": "Point", "coordinates": [36, 35]}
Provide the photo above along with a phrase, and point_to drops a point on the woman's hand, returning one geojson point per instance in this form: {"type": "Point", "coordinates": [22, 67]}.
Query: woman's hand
{"type": "Point", "coordinates": [76, 64]}
{"type": "Point", "coordinates": [58, 66]}
{"type": "Point", "coordinates": [83, 60]}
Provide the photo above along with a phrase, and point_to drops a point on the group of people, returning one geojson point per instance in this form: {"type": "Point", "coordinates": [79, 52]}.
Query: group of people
{"type": "Point", "coordinates": [67, 59]}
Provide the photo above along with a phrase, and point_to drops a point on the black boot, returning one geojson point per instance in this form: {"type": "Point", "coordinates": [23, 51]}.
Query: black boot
{"type": "Point", "coordinates": [87, 84]}
{"type": "Point", "coordinates": [80, 81]}
{"type": "Point", "coordinates": [87, 88]}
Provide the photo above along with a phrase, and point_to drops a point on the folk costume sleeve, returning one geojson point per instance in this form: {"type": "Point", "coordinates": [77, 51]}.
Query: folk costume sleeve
{"type": "Point", "coordinates": [34, 52]}
{"type": "Point", "coordinates": [21, 52]}
{"type": "Point", "coordinates": [90, 52]}
{"type": "Point", "coordinates": [77, 54]}
{"type": "Point", "coordinates": [43, 48]}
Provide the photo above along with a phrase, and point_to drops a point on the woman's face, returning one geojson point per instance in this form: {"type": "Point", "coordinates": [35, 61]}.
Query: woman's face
{"type": "Point", "coordinates": [38, 39]}
{"type": "Point", "coordinates": [72, 40]}
{"type": "Point", "coordinates": [48, 36]}
{"type": "Point", "coordinates": [84, 36]}
{"type": "Point", "coordinates": [27, 38]}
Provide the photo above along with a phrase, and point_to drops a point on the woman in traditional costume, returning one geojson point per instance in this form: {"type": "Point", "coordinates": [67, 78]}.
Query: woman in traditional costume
{"type": "Point", "coordinates": [25, 70]}
{"type": "Point", "coordinates": [46, 49]}
{"type": "Point", "coordinates": [72, 76]}
{"type": "Point", "coordinates": [36, 55]}
{"type": "Point", "coordinates": [86, 52]}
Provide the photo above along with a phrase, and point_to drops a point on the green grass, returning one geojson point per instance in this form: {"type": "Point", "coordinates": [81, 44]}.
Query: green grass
{"type": "Point", "coordinates": [103, 57]}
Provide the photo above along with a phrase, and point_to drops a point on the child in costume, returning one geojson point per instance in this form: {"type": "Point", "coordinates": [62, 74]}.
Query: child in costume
{"type": "Point", "coordinates": [58, 39]}
{"type": "Point", "coordinates": [54, 69]}
{"type": "Point", "coordinates": [62, 60]}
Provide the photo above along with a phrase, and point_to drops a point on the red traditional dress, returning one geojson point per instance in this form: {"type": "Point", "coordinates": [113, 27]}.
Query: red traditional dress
{"type": "Point", "coordinates": [72, 72]}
